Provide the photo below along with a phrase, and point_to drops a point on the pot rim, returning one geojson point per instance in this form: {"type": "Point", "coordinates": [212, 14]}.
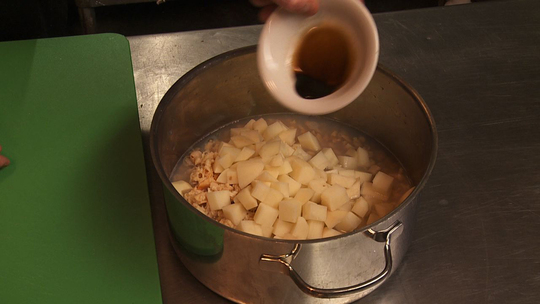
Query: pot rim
{"type": "Point", "coordinates": [194, 72]}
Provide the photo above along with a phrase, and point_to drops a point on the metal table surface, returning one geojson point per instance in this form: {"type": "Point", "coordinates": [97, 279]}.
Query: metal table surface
{"type": "Point", "coordinates": [478, 68]}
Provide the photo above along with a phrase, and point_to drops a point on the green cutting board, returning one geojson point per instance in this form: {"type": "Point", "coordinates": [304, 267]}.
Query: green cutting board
{"type": "Point", "coordinates": [75, 224]}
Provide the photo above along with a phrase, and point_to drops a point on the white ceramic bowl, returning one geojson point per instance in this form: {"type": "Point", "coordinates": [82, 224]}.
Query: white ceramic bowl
{"type": "Point", "coordinates": [281, 36]}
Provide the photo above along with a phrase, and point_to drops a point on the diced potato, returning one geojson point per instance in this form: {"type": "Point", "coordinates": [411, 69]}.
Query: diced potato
{"type": "Point", "coordinates": [302, 171]}
{"type": "Point", "coordinates": [349, 222]}
{"type": "Point", "coordinates": [250, 227]}
{"type": "Point", "coordinates": [331, 156]}
{"type": "Point", "coordinates": [347, 206]}
{"type": "Point", "coordinates": [320, 174]}
{"type": "Point", "coordinates": [286, 150]}
{"type": "Point", "coordinates": [273, 198]}
{"type": "Point", "coordinates": [247, 171]}
{"type": "Point", "coordinates": [382, 182]}
{"type": "Point", "coordinates": [282, 187]}
{"type": "Point", "coordinates": [229, 150]}
{"type": "Point", "coordinates": [300, 153]}
{"type": "Point", "coordinates": [222, 145]}
{"type": "Point", "coordinates": [232, 177]}
{"type": "Point", "coordinates": [319, 161]}
{"type": "Point", "coordinates": [267, 231]}
{"type": "Point", "coordinates": [318, 186]}
{"type": "Point", "coordinates": [235, 213]}
{"type": "Point", "coordinates": [281, 228]}
{"type": "Point", "coordinates": [245, 154]}
{"type": "Point", "coordinates": [354, 191]}
{"type": "Point", "coordinates": [226, 161]}
{"type": "Point", "coordinates": [245, 198]}
{"type": "Point", "coordinates": [361, 207]}
{"type": "Point", "coordinates": [265, 176]}
{"type": "Point", "coordinates": [346, 172]}
{"type": "Point", "coordinates": [217, 168]}
{"type": "Point", "coordinates": [294, 186]}
{"type": "Point", "coordinates": [273, 171]}
{"type": "Point", "coordinates": [351, 152]}
{"type": "Point", "coordinates": [258, 146]}
{"type": "Point", "coordinates": [253, 135]}
{"type": "Point", "coordinates": [182, 187]}
{"type": "Point", "coordinates": [265, 215]}
{"type": "Point", "coordinates": [328, 232]}
{"type": "Point", "coordinates": [315, 229]}
{"type": "Point", "coordinates": [273, 130]}
{"type": "Point", "coordinates": [300, 229]}
{"type": "Point", "coordinates": [222, 178]}
{"type": "Point", "coordinates": [313, 211]}
{"type": "Point", "coordinates": [363, 176]}
{"type": "Point", "coordinates": [288, 136]}
{"type": "Point", "coordinates": [260, 125]}
{"type": "Point", "coordinates": [309, 142]}
{"type": "Point", "coordinates": [368, 191]}
{"type": "Point", "coordinates": [334, 197]}
{"type": "Point", "coordinates": [276, 161]}
{"type": "Point", "coordinates": [290, 210]}
{"type": "Point", "coordinates": [362, 158]}
{"type": "Point", "coordinates": [249, 124]}
{"type": "Point", "coordinates": [237, 131]}
{"type": "Point", "coordinates": [334, 217]}
{"type": "Point", "coordinates": [259, 190]}
{"type": "Point", "coordinates": [240, 141]}
{"type": "Point", "coordinates": [218, 199]}
{"type": "Point", "coordinates": [304, 194]}
{"type": "Point", "coordinates": [344, 181]}
{"type": "Point", "coordinates": [286, 168]}
{"type": "Point", "coordinates": [270, 149]}
{"type": "Point", "coordinates": [347, 162]}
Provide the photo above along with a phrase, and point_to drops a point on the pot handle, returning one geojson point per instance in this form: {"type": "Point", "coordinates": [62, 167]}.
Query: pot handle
{"type": "Point", "coordinates": [286, 268]}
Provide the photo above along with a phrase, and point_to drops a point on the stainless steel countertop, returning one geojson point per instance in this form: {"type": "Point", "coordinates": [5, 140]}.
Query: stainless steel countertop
{"type": "Point", "coordinates": [478, 68]}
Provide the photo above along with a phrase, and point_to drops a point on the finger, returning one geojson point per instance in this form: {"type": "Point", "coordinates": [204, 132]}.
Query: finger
{"type": "Point", "coordinates": [3, 161]}
{"type": "Point", "coordinates": [261, 3]}
{"type": "Point", "coordinates": [266, 11]}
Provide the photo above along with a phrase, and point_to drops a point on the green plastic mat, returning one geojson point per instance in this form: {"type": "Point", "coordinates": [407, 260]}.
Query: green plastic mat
{"type": "Point", "coordinates": [75, 223]}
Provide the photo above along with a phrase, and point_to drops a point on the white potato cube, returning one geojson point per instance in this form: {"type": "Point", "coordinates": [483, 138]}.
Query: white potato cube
{"type": "Point", "coordinates": [288, 136]}
{"type": "Point", "coordinates": [344, 181]}
{"type": "Point", "coordinates": [265, 215]}
{"type": "Point", "coordinates": [281, 228]}
{"type": "Point", "coordinates": [313, 211]}
{"type": "Point", "coordinates": [320, 174]}
{"type": "Point", "coordinates": [347, 206]}
{"type": "Point", "coordinates": [267, 231]}
{"type": "Point", "coordinates": [240, 141]}
{"type": "Point", "coordinates": [361, 207]}
{"type": "Point", "coordinates": [260, 125]}
{"type": "Point", "coordinates": [273, 171]}
{"type": "Point", "coordinates": [258, 146]}
{"type": "Point", "coordinates": [222, 178]}
{"type": "Point", "coordinates": [273, 130]}
{"type": "Point", "coordinates": [382, 182]}
{"type": "Point", "coordinates": [346, 172]}
{"type": "Point", "coordinates": [270, 149]}
{"type": "Point", "coordinates": [235, 213]}
{"type": "Point", "coordinates": [217, 168]}
{"type": "Point", "coordinates": [244, 197]}
{"type": "Point", "coordinates": [232, 177]}
{"type": "Point", "coordinates": [294, 186]}
{"type": "Point", "coordinates": [250, 227]}
{"type": "Point", "coordinates": [304, 194]}
{"type": "Point", "coordinates": [363, 176]}
{"type": "Point", "coordinates": [334, 197]}
{"type": "Point", "coordinates": [286, 168]}
{"type": "Point", "coordinates": [218, 199]}
{"type": "Point", "coordinates": [347, 162]}
{"type": "Point", "coordinates": [318, 186]}
{"type": "Point", "coordinates": [253, 135]}
{"type": "Point", "coordinates": [282, 187]}
{"type": "Point", "coordinates": [309, 142]}
{"type": "Point", "coordinates": [319, 161]}
{"type": "Point", "coordinates": [259, 190]}
{"type": "Point", "coordinates": [286, 150]}
{"type": "Point", "coordinates": [362, 158]}
{"type": "Point", "coordinates": [331, 156]}
{"type": "Point", "coordinates": [300, 229]}
{"type": "Point", "coordinates": [290, 210]}
{"type": "Point", "coordinates": [273, 198]}
{"type": "Point", "coordinates": [225, 161]}
{"type": "Point", "coordinates": [315, 229]}
{"type": "Point", "coordinates": [369, 192]}
{"type": "Point", "coordinates": [249, 124]}
{"type": "Point", "coordinates": [245, 154]}
{"type": "Point", "coordinates": [237, 131]}
{"type": "Point", "coordinates": [265, 176]}
{"type": "Point", "coordinates": [182, 187]}
{"type": "Point", "coordinates": [349, 222]}
{"type": "Point", "coordinates": [354, 191]}
{"type": "Point", "coordinates": [334, 217]}
{"type": "Point", "coordinates": [302, 171]}
{"type": "Point", "coordinates": [229, 150]}
{"type": "Point", "coordinates": [328, 232]}
{"type": "Point", "coordinates": [247, 171]}
{"type": "Point", "coordinates": [276, 161]}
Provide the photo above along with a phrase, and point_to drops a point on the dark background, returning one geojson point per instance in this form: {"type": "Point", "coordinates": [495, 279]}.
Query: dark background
{"type": "Point", "coordinates": [28, 19]}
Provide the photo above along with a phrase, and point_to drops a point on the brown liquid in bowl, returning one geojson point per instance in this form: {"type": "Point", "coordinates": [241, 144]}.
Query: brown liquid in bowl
{"type": "Point", "coordinates": [322, 62]}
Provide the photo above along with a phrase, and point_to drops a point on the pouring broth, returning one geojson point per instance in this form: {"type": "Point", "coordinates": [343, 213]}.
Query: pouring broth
{"type": "Point", "coordinates": [291, 176]}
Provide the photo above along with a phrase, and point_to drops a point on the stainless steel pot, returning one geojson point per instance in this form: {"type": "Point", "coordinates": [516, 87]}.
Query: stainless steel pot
{"type": "Point", "coordinates": [250, 269]}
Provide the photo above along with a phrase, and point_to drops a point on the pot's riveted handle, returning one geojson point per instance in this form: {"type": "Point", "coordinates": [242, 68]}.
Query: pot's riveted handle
{"type": "Point", "coordinates": [286, 268]}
